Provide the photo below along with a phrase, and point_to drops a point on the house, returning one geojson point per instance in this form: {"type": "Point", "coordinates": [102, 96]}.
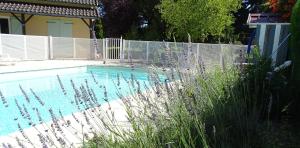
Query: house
{"type": "Point", "coordinates": [271, 35]}
{"type": "Point", "coordinates": [58, 18]}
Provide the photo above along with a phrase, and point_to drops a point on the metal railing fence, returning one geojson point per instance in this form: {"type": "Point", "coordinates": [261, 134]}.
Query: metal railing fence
{"type": "Point", "coordinates": [25, 47]}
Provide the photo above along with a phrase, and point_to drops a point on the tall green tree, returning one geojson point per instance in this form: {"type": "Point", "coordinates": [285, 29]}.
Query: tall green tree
{"type": "Point", "coordinates": [118, 17]}
{"type": "Point", "coordinates": [199, 18]}
{"type": "Point", "coordinates": [148, 25]}
{"type": "Point", "coordinates": [99, 29]}
{"type": "Point", "coordinates": [132, 19]}
{"type": "Point", "coordinates": [295, 42]}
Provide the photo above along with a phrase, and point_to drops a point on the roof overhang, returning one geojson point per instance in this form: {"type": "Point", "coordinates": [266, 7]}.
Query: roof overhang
{"type": "Point", "coordinates": [70, 3]}
{"type": "Point", "coordinates": [255, 19]}
{"type": "Point", "coordinates": [82, 2]}
{"type": "Point", "coordinates": [44, 10]}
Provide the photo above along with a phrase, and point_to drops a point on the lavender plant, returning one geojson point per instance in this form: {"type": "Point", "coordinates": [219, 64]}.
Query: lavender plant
{"type": "Point", "coordinates": [183, 105]}
{"type": "Point", "coordinates": [196, 108]}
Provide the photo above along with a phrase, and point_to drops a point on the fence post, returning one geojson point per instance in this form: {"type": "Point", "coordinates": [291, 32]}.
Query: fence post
{"type": "Point", "coordinates": [46, 46]}
{"type": "Point", "coordinates": [74, 48]}
{"type": "Point", "coordinates": [110, 43]}
{"type": "Point", "coordinates": [115, 42]}
{"type": "Point", "coordinates": [222, 62]}
{"type": "Point", "coordinates": [1, 50]}
{"type": "Point", "coordinates": [25, 47]}
{"type": "Point", "coordinates": [96, 53]}
{"type": "Point", "coordinates": [124, 49]}
{"type": "Point", "coordinates": [147, 52]}
{"type": "Point", "coordinates": [261, 39]}
{"type": "Point", "coordinates": [113, 53]}
{"type": "Point", "coordinates": [276, 44]}
{"type": "Point", "coordinates": [128, 51]}
{"type": "Point", "coordinates": [103, 50]}
{"type": "Point", "coordinates": [51, 48]}
{"type": "Point", "coordinates": [106, 48]}
{"type": "Point", "coordinates": [168, 54]}
{"type": "Point", "coordinates": [198, 52]}
{"type": "Point", "coordinates": [189, 54]}
{"type": "Point", "coordinates": [121, 50]}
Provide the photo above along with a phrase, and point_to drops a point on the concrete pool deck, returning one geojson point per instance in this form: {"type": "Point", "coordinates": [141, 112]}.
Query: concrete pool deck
{"type": "Point", "coordinates": [50, 64]}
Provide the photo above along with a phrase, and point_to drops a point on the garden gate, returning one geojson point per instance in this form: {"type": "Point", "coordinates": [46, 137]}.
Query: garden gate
{"type": "Point", "coordinates": [113, 50]}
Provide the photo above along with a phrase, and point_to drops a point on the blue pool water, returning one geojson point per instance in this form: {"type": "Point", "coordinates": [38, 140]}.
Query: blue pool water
{"type": "Point", "coordinates": [46, 86]}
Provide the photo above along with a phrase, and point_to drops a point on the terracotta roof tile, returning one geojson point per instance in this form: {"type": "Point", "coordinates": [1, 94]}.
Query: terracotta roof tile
{"type": "Point", "coordinates": [82, 2]}
{"type": "Point", "coordinates": [86, 2]}
{"type": "Point", "coordinates": [48, 10]}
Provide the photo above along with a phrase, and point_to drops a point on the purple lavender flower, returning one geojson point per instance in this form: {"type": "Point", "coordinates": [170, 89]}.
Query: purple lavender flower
{"type": "Point", "coordinates": [25, 94]}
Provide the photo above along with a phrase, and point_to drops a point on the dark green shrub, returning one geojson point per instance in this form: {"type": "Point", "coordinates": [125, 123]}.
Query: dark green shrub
{"type": "Point", "coordinates": [295, 42]}
{"type": "Point", "coordinates": [294, 94]}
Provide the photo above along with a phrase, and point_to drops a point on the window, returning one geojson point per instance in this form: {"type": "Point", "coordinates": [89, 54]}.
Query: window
{"type": "Point", "coordinates": [60, 28]}
{"type": "Point", "coordinates": [15, 26]}
{"type": "Point", "coordinates": [10, 25]}
{"type": "Point", "coordinates": [4, 25]}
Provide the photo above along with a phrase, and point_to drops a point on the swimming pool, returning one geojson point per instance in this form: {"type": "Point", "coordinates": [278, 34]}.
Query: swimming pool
{"type": "Point", "coordinates": [26, 97]}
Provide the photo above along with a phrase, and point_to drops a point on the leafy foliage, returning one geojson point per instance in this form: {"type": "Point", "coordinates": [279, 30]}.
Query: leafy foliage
{"type": "Point", "coordinates": [295, 38]}
{"type": "Point", "coordinates": [99, 29]}
{"type": "Point", "coordinates": [149, 25]}
{"type": "Point", "coordinates": [199, 18]}
{"type": "Point", "coordinates": [132, 19]}
{"type": "Point", "coordinates": [118, 17]}
{"type": "Point", "coordinates": [283, 7]}
{"type": "Point", "coordinates": [295, 57]}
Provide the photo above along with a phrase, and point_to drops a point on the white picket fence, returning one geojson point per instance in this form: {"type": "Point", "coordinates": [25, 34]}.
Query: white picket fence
{"type": "Point", "coordinates": [114, 49]}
